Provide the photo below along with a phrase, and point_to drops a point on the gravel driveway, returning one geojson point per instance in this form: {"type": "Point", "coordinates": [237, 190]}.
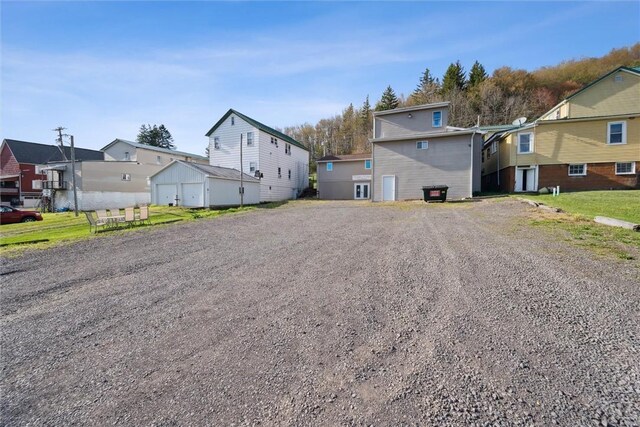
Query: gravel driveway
{"type": "Point", "coordinates": [325, 313]}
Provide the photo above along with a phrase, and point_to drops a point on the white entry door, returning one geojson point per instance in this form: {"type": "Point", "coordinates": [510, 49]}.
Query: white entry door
{"type": "Point", "coordinates": [192, 195]}
{"type": "Point", "coordinates": [361, 190]}
{"type": "Point", "coordinates": [166, 193]}
{"type": "Point", "coordinates": [526, 179]}
{"type": "Point", "coordinates": [388, 187]}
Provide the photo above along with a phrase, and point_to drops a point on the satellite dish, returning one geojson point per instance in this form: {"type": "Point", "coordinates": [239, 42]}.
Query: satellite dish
{"type": "Point", "coordinates": [519, 121]}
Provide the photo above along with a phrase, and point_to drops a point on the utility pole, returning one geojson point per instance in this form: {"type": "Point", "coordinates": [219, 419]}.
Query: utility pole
{"type": "Point", "coordinates": [241, 176]}
{"type": "Point", "coordinates": [59, 129]}
{"type": "Point", "coordinates": [73, 177]}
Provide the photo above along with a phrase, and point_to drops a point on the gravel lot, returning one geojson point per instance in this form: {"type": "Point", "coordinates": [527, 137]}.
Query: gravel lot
{"type": "Point", "coordinates": [324, 313]}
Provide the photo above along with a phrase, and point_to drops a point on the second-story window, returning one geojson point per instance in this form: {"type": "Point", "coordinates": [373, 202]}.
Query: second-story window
{"type": "Point", "coordinates": [617, 133]}
{"type": "Point", "coordinates": [289, 173]}
{"type": "Point", "coordinates": [437, 119]}
{"type": "Point", "coordinates": [525, 143]}
{"type": "Point", "coordinates": [329, 166]}
{"type": "Point", "coordinates": [422, 145]}
{"type": "Point", "coordinates": [159, 160]}
{"type": "Point", "coordinates": [279, 173]}
{"type": "Point", "coordinates": [494, 147]}
{"type": "Point", "coordinates": [216, 142]}
{"type": "Point", "coordinates": [367, 164]}
{"type": "Point", "coordinates": [253, 166]}
{"type": "Point", "coordinates": [287, 149]}
{"type": "Point", "coordinates": [233, 120]}
{"type": "Point", "coordinates": [249, 138]}
{"type": "Point", "coordinates": [127, 157]}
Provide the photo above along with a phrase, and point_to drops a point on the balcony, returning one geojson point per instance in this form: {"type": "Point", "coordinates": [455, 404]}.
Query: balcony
{"type": "Point", "coordinates": [54, 185]}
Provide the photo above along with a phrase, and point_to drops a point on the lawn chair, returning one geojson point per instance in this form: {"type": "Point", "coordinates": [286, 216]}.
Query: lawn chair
{"type": "Point", "coordinates": [129, 216]}
{"type": "Point", "coordinates": [102, 214]}
{"type": "Point", "coordinates": [94, 223]}
{"type": "Point", "coordinates": [143, 216]}
{"type": "Point", "coordinates": [115, 214]}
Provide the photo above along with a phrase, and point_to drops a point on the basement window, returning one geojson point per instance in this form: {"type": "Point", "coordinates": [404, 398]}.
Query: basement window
{"type": "Point", "coordinates": [616, 133]}
{"type": "Point", "coordinates": [625, 168]}
{"type": "Point", "coordinates": [578, 170]}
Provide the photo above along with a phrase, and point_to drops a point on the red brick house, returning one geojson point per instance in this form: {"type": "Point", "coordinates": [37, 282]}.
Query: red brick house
{"type": "Point", "coordinates": [20, 174]}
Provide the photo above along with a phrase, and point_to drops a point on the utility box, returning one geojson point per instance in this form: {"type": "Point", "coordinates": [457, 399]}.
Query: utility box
{"type": "Point", "coordinates": [434, 193]}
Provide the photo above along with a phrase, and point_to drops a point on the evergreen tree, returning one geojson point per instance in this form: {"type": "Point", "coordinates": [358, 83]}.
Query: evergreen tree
{"type": "Point", "coordinates": [157, 136]}
{"type": "Point", "coordinates": [427, 90]}
{"type": "Point", "coordinates": [365, 111]}
{"type": "Point", "coordinates": [454, 78]}
{"type": "Point", "coordinates": [389, 100]}
{"type": "Point", "coordinates": [477, 75]}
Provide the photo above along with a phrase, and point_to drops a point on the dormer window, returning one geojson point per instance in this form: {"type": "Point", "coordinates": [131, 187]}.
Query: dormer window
{"type": "Point", "coordinates": [437, 119]}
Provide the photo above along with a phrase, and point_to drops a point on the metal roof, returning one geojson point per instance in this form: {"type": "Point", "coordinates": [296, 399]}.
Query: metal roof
{"type": "Point", "coordinates": [40, 154]}
{"type": "Point", "coordinates": [213, 171]}
{"type": "Point", "coordinates": [153, 148]}
{"type": "Point", "coordinates": [412, 108]}
{"type": "Point", "coordinates": [258, 125]}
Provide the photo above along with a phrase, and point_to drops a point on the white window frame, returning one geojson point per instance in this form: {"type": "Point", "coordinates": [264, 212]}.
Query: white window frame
{"type": "Point", "coordinates": [367, 161]}
{"type": "Point", "coordinates": [422, 145]}
{"type": "Point", "coordinates": [36, 184]}
{"type": "Point", "coordinates": [530, 143]}
{"type": "Point", "coordinates": [624, 133]}
{"type": "Point", "coordinates": [253, 166]}
{"type": "Point", "coordinates": [633, 168]}
{"type": "Point", "coordinates": [494, 147]}
{"type": "Point", "coordinates": [584, 169]}
{"type": "Point", "coordinates": [127, 156]}
{"type": "Point", "coordinates": [329, 166]}
{"type": "Point", "coordinates": [433, 119]}
{"type": "Point", "coordinates": [249, 139]}
{"type": "Point", "coordinates": [216, 142]}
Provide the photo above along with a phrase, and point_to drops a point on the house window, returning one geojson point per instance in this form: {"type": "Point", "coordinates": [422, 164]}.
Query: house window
{"type": "Point", "coordinates": [36, 184]}
{"type": "Point", "coordinates": [159, 160]}
{"type": "Point", "coordinates": [289, 173]}
{"type": "Point", "coordinates": [287, 149]}
{"type": "Point", "coordinates": [422, 145]}
{"type": "Point", "coordinates": [274, 141]}
{"type": "Point", "coordinates": [482, 156]}
{"type": "Point", "coordinates": [488, 153]}
{"type": "Point", "coordinates": [249, 138]}
{"type": "Point", "coordinates": [437, 119]}
{"type": "Point", "coordinates": [253, 166]}
{"type": "Point", "coordinates": [233, 120]}
{"type": "Point", "coordinates": [329, 166]}
{"type": "Point", "coordinates": [617, 133]}
{"type": "Point", "coordinates": [216, 142]}
{"type": "Point", "coordinates": [127, 157]}
{"type": "Point", "coordinates": [126, 177]}
{"type": "Point", "coordinates": [525, 143]}
{"type": "Point", "coordinates": [625, 168]}
{"type": "Point", "coordinates": [578, 170]}
{"type": "Point", "coordinates": [367, 164]}
{"type": "Point", "coordinates": [494, 147]}
{"type": "Point", "coordinates": [279, 173]}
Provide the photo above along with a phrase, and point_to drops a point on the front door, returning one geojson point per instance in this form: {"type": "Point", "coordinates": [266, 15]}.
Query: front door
{"type": "Point", "coordinates": [388, 187]}
{"type": "Point", "coordinates": [361, 191]}
{"type": "Point", "coordinates": [526, 179]}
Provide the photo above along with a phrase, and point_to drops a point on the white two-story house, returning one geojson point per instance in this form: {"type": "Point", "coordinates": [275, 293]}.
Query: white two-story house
{"type": "Point", "coordinates": [281, 162]}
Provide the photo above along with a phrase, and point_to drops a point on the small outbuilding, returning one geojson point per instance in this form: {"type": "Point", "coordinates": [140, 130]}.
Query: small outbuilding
{"type": "Point", "coordinates": [196, 185]}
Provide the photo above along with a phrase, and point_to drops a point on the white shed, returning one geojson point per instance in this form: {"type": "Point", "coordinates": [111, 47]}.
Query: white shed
{"type": "Point", "coordinates": [197, 185]}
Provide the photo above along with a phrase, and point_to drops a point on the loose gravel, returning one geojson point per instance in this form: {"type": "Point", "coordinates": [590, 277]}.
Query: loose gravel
{"type": "Point", "coordinates": [327, 313]}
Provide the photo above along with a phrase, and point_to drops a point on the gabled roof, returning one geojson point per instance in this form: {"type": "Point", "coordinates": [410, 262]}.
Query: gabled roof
{"type": "Point", "coordinates": [258, 125]}
{"type": "Point", "coordinates": [39, 154]}
{"type": "Point", "coordinates": [345, 157]}
{"type": "Point", "coordinates": [152, 148]}
{"type": "Point", "coordinates": [632, 70]}
{"type": "Point", "coordinates": [214, 171]}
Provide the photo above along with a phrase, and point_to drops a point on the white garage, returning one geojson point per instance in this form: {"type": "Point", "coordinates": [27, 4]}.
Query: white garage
{"type": "Point", "coordinates": [195, 185]}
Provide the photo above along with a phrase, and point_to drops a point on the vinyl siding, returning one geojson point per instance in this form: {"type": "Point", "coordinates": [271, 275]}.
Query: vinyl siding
{"type": "Point", "coordinates": [391, 125]}
{"type": "Point", "coordinates": [447, 161]}
{"type": "Point", "coordinates": [339, 184]}
{"type": "Point", "coordinates": [608, 97]}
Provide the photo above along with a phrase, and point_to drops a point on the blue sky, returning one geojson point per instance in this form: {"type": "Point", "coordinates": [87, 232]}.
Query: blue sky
{"type": "Point", "coordinates": [102, 69]}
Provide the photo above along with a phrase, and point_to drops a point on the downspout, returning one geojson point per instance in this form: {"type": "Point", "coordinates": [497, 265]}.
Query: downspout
{"type": "Point", "coordinates": [471, 169]}
{"type": "Point", "coordinates": [372, 191]}
{"type": "Point", "coordinates": [497, 161]}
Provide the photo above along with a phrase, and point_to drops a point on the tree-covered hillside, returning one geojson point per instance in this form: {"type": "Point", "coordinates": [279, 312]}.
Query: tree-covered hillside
{"type": "Point", "coordinates": [498, 98]}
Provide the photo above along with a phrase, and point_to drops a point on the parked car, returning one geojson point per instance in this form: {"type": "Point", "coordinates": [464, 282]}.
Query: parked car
{"type": "Point", "coordinates": [9, 215]}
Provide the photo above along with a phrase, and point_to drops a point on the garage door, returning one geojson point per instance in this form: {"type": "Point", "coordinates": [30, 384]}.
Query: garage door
{"type": "Point", "coordinates": [166, 193]}
{"type": "Point", "coordinates": [192, 195]}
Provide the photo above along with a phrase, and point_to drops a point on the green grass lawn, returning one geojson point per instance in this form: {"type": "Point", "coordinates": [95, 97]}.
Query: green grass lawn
{"type": "Point", "coordinates": [64, 227]}
{"type": "Point", "coordinates": [623, 204]}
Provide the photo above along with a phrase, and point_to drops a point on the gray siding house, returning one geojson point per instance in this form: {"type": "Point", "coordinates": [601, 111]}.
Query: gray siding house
{"type": "Point", "coordinates": [345, 177]}
{"type": "Point", "coordinates": [413, 147]}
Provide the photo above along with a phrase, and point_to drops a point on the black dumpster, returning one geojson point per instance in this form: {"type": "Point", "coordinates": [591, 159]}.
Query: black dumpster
{"type": "Point", "coordinates": [435, 192]}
